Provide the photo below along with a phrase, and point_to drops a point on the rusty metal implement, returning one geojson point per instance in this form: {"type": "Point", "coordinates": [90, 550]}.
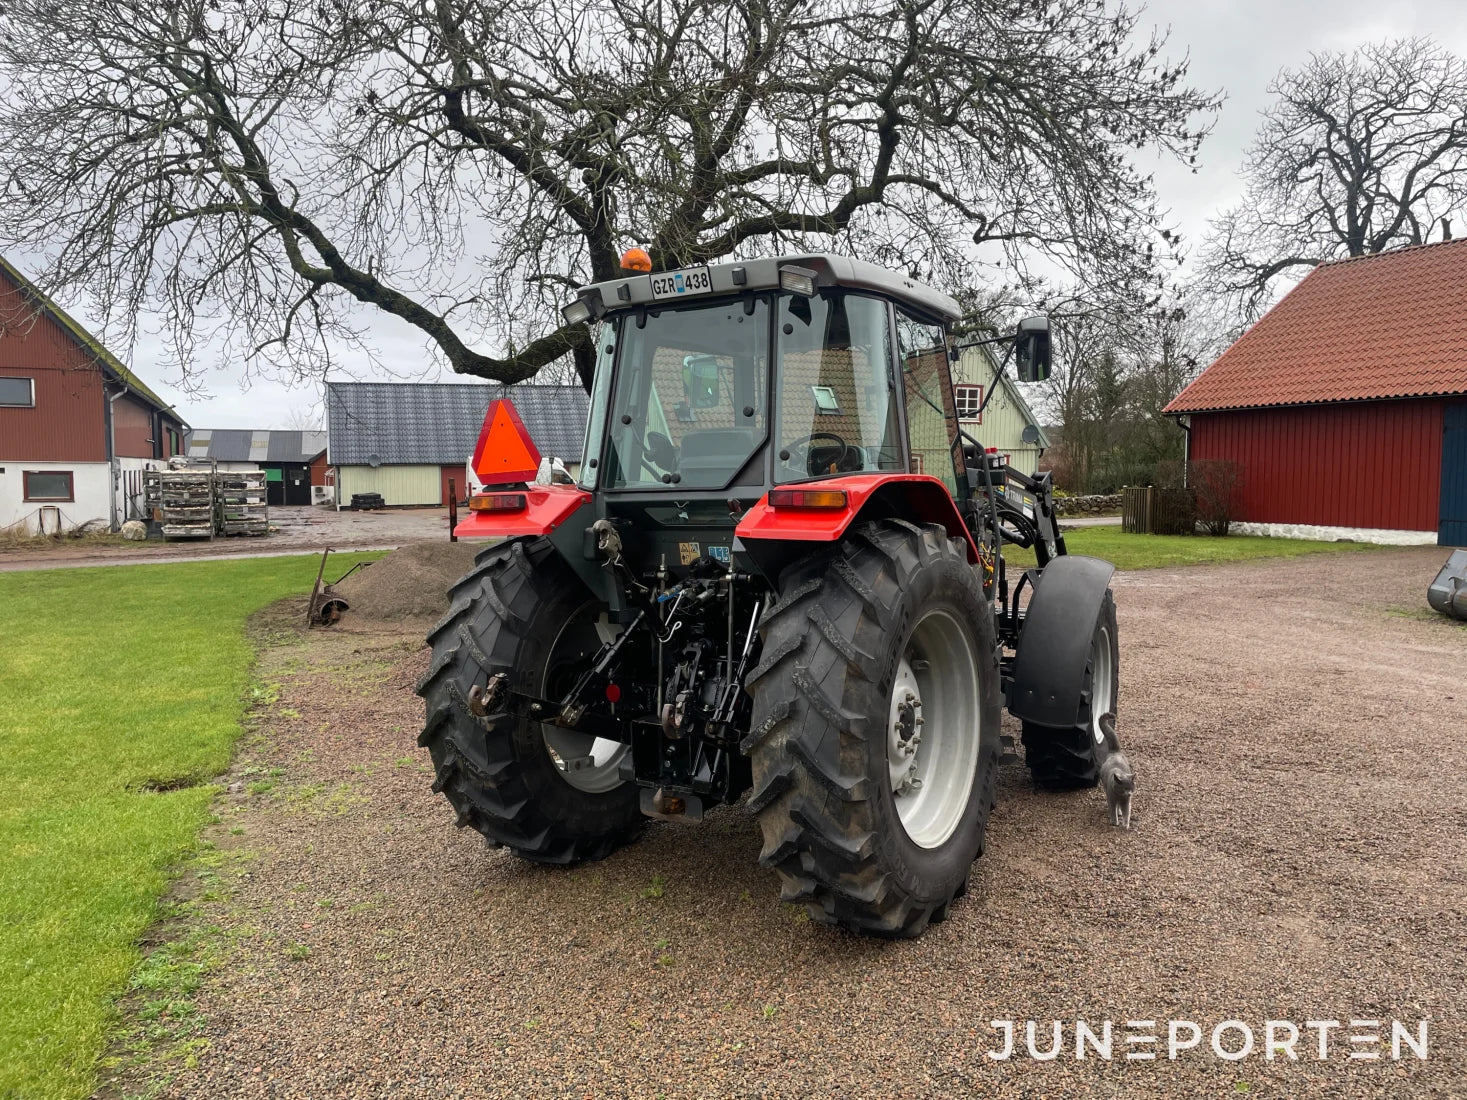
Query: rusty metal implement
{"type": "Point", "coordinates": [326, 603]}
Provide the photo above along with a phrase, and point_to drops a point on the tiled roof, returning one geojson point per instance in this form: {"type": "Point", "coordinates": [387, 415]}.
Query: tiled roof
{"type": "Point", "coordinates": [243, 445]}
{"type": "Point", "coordinates": [434, 423]}
{"type": "Point", "coordinates": [1389, 325]}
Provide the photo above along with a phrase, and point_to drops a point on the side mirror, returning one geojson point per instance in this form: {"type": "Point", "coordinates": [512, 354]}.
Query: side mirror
{"type": "Point", "coordinates": [1031, 344]}
{"type": "Point", "coordinates": [661, 451]}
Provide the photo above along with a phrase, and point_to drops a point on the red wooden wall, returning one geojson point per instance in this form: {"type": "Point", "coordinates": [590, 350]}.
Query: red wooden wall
{"type": "Point", "coordinates": [1354, 464]}
{"type": "Point", "coordinates": [133, 430]}
{"type": "Point", "coordinates": [66, 424]}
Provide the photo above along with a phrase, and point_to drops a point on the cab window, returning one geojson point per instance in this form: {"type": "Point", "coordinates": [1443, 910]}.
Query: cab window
{"type": "Point", "coordinates": [835, 411]}
{"type": "Point", "coordinates": [931, 413]}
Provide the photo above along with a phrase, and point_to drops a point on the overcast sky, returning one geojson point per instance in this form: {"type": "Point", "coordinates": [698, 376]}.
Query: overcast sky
{"type": "Point", "coordinates": [1235, 45]}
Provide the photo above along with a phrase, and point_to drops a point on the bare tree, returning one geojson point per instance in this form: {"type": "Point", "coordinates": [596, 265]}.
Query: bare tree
{"type": "Point", "coordinates": [262, 167]}
{"type": "Point", "coordinates": [304, 417]}
{"type": "Point", "coordinates": [1116, 368]}
{"type": "Point", "coordinates": [1362, 152]}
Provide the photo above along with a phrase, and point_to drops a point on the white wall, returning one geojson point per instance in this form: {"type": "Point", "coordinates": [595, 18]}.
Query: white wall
{"type": "Point", "coordinates": [91, 487]}
{"type": "Point", "coordinates": [126, 466]}
{"type": "Point", "coordinates": [1317, 533]}
{"type": "Point", "coordinates": [399, 485]}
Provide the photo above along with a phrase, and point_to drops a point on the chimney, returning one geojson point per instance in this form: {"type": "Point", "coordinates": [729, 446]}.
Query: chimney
{"type": "Point", "coordinates": [1446, 229]}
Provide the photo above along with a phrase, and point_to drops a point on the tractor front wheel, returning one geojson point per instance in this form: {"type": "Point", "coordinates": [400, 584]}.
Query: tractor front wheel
{"type": "Point", "coordinates": [1070, 758]}
{"type": "Point", "coordinates": [874, 738]}
{"type": "Point", "coordinates": [548, 794]}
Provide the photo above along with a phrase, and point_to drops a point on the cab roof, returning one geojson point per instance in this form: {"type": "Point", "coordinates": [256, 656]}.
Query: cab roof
{"type": "Point", "coordinates": [738, 276]}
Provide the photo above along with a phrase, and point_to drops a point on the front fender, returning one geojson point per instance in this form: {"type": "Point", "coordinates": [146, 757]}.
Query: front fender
{"type": "Point", "coordinates": [919, 498]}
{"type": "Point", "coordinates": [1054, 644]}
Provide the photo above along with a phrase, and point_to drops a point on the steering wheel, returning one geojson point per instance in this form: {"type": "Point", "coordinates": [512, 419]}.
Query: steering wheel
{"type": "Point", "coordinates": [808, 442]}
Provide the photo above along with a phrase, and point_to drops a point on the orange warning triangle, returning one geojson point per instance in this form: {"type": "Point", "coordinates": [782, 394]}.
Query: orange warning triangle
{"type": "Point", "coordinates": [505, 452]}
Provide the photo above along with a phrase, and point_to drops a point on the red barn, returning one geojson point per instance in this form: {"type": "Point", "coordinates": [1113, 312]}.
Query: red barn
{"type": "Point", "coordinates": [1345, 407]}
{"type": "Point", "coordinates": [77, 427]}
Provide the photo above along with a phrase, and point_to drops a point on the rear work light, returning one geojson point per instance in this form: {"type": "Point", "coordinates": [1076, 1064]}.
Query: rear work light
{"type": "Point", "coordinates": [797, 280]}
{"type": "Point", "coordinates": [497, 502]}
{"type": "Point", "coordinates": [807, 498]}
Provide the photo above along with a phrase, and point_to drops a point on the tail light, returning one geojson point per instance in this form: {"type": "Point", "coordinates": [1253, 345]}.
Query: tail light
{"type": "Point", "coordinates": [497, 502]}
{"type": "Point", "coordinates": [808, 498]}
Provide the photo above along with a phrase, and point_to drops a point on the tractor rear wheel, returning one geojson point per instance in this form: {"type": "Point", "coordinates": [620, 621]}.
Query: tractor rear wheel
{"type": "Point", "coordinates": [874, 737]}
{"type": "Point", "coordinates": [1070, 759]}
{"type": "Point", "coordinates": [549, 795]}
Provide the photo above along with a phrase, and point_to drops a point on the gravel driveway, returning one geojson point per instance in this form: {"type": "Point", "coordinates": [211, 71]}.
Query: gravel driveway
{"type": "Point", "coordinates": [297, 530]}
{"type": "Point", "coordinates": [1298, 732]}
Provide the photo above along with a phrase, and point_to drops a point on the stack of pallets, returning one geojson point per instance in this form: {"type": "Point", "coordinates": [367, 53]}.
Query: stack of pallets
{"type": "Point", "coordinates": [181, 502]}
{"type": "Point", "coordinates": [242, 507]}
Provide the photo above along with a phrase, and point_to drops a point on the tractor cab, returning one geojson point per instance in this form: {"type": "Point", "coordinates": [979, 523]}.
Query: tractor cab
{"type": "Point", "coordinates": [736, 378]}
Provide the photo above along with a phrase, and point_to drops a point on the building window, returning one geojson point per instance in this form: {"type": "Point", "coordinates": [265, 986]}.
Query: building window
{"type": "Point", "coordinates": [916, 463]}
{"type": "Point", "coordinates": [18, 393]}
{"type": "Point", "coordinates": [969, 400]}
{"type": "Point", "coordinates": [825, 400]}
{"type": "Point", "coordinates": [48, 485]}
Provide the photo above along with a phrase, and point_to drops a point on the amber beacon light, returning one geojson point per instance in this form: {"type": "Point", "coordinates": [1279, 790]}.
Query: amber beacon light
{"type": "Point", "coordinates": [636, 259]}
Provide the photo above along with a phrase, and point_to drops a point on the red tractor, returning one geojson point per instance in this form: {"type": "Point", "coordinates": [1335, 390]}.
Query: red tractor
{"type": "Point", "coordinates": [780, 571]}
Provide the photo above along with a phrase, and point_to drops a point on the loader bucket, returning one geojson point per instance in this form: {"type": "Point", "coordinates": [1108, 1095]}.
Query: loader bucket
{"type": "Point", "coordinates": [1448, 593]}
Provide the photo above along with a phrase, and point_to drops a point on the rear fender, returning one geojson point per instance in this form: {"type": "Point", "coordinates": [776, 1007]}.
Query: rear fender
{"type": "Point", "coordinates": [1054, 643]}
{"type": "Point", "coordinates": [546, 508]}
{"type": "Point", "coordinates": [918, 498]}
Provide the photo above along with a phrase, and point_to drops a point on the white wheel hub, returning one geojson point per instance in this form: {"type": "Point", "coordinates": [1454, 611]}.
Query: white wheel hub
{"type": "Point", "coordinates": [904, 735]}
{"type": "Point", "coordinates": [932, 738]}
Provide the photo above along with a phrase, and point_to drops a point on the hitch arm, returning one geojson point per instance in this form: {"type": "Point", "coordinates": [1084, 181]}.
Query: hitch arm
{"type": "Point", "coordinates": [571, 707]}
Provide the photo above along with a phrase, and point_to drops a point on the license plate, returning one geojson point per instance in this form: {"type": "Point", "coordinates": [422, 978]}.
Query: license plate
{"type": "Point", "coordinates": [676, 284]}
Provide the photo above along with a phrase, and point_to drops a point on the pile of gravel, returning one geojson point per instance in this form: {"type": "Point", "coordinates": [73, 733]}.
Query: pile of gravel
{"type": "Point", "coordinates": [409, 583]}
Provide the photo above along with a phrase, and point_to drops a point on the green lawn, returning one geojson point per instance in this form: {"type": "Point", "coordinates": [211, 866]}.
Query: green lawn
{"type": "Point", "coordinates": [1149, 551]}
{"type": "Point", "coordinates": [111, 679]}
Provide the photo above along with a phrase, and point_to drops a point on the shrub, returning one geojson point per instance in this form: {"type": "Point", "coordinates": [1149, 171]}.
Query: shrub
{"type": "Point", "coordinates": [1214, 485]}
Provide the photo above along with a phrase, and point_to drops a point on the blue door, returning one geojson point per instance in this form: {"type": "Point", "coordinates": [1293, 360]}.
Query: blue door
{"type": "Point", "coordinates": [1453, 529]}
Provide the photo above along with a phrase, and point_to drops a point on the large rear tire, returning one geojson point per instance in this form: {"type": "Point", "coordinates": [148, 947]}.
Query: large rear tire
{"type": "Point", "coordinates": [880, 641]}
{"type": "Point", "coordinates": [523, 612]}
{"type": "Point", "coordinates": [1070, 759]}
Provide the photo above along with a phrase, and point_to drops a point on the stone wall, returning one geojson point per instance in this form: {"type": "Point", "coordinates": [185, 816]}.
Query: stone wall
{"type": "Point", "coordinates": [1098, 504]}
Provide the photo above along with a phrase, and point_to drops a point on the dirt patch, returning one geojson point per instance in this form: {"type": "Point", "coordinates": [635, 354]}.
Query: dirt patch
{"type": "Point", "coordinates": [1298, 854]}
{"type": "Point", "coordinates": [410, 583]}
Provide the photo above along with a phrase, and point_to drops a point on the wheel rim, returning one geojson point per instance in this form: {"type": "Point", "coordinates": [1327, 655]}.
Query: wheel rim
{"type": "Point", "coordinates": [932, 730]}
{"type": "Point", "coordinates": [1102, 668]}
{"type": "Point", "coordinates": [588, 763]}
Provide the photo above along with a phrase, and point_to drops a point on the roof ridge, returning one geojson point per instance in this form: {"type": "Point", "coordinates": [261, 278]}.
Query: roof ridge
{"type": "Point", "coordinates": [1385, 252]}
